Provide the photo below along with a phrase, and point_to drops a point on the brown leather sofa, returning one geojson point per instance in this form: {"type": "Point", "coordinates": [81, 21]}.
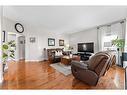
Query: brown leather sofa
{"type": "Point", "coordinates": [90, 71]}
{"type": "Point", "coordinates": [52, 58]}
{"type": "Point", "coordinates": [51, 55]}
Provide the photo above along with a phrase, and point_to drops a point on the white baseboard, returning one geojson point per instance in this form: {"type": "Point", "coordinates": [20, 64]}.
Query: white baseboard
{"type": "Point", "coordinates": [33, 60]}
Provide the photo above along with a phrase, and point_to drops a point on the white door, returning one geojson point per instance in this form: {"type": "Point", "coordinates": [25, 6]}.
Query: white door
{"type": "Point", "coordinates": [21, 43]}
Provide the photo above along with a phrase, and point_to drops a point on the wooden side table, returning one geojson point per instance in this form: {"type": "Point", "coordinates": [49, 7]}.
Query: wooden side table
{"type": "Point", "coordinates": [67, 59]}
{"type": "Point", "coordinates": [76, 57]}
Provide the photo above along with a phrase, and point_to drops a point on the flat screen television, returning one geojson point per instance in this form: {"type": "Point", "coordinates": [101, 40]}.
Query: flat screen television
{"type": "Point", "coordinates": [86, 47]}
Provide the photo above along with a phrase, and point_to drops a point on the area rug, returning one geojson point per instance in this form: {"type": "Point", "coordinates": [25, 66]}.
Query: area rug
{"type": "Point", "coordinates": [64, 69]}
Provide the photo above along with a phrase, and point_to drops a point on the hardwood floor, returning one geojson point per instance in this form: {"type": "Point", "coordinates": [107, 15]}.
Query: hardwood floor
{"type": "Point", "coordinates": [39, 75]}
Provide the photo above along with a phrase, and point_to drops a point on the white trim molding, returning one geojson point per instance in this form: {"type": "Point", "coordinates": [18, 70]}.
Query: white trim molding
{"type": "Point", "coordinates": [33, 60]}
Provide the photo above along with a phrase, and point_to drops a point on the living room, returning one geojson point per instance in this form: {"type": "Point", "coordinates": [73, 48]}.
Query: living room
{"type": "Point", "coordinates": [57, 38]}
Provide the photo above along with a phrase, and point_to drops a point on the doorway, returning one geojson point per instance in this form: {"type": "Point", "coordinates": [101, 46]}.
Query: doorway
{"type": "Point", "coordinates": [19, 40]}
{"type": "Point", "coordinates": [11, 39]}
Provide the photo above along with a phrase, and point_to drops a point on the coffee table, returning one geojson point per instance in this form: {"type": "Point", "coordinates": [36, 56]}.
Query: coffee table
{"type": "Point", "coordinates": [66, 60]}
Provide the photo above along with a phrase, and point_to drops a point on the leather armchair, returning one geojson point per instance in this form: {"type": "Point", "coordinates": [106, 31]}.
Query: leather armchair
{"type": "Point", "coordinates": [90, 71]}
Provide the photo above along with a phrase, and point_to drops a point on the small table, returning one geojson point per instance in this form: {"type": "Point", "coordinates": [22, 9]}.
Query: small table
{"type": "Point", "coordinates": [67, 59]}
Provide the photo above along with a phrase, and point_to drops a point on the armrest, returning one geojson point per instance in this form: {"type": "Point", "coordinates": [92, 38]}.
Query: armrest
{"type": "Point", "coordinates": [79, 64]}
{"type": "Point", "coordinates": [86, 62]}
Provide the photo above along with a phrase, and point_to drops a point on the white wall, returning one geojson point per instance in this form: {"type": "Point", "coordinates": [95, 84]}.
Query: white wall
{"type": "Point", "coordinates": [35, 51]}
{"type": "Point", "coordinates": [9, 27]}
{"type": "Point", "coordinates": [91, 35]}
{"type": "Point", "coordinates": [1, 65]}
{"type": "Point", "coordinates": [84, 37]}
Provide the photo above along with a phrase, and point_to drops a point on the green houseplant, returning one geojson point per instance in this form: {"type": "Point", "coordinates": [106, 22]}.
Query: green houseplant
{"type": "Point", "coordinates": [119, 43]}
{"type": "Point", "coordinates": [8, 51]}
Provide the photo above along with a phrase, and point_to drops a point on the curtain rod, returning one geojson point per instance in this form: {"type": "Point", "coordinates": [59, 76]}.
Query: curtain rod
{"type": "Point", "coordinates": [98, 26]}
{"type": "Point", "coordinates": [109, 24]}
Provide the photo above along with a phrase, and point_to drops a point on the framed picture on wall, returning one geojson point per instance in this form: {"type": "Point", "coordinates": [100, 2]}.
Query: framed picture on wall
{"type": "Point", "coordinates": [61, 42]}
{"type": "Point", "coordinates": [51, 42]}
{"type": "Point", "coordinates": [3, 36]}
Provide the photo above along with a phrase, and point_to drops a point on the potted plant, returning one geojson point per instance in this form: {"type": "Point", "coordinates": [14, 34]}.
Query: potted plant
{"type": "Point", "coordinates": [119, 43]}
{"type": "Point", "coordinates": [8, 52]}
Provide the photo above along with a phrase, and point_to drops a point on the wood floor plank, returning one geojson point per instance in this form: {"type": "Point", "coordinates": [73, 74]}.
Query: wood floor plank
{"type": "Point", "coordinates": [39, 75]}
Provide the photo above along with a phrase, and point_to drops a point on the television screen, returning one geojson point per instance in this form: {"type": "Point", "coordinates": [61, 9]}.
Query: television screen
{"type": "Point", "coordinates": [86, 47]}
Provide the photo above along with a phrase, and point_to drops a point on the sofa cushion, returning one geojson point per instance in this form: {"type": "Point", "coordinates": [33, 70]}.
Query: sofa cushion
{"type": "Point", "coordinates": [57, 56]}
{"type": "Point", "coordinates": [53, 54]}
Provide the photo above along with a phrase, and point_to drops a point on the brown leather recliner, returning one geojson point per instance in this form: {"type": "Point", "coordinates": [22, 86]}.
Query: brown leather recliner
{"type": "Point", "coordinates": [90, 71]}
{"type": "Point", "coordinates": [112, 59]}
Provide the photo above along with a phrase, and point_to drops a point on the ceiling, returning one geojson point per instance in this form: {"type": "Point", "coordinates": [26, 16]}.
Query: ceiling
{"type": "Point", "coordinates": [65, 19]}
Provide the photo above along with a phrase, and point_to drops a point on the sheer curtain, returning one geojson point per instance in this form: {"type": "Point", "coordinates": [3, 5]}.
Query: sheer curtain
{"type": "Point", "coordinates": [101, 34]}
{"type": "Point", "coordinates": [118, 29]}
{"type": "Point", "coordinates": [108, 33]}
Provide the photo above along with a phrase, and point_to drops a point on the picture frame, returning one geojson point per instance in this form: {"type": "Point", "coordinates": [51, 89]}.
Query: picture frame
{"type": "Point", "coordinates": [3, 36]}
{"type": "Point", "coordinates": [61, 42]}
{"type": "Point", "coordinates": [51, 42]}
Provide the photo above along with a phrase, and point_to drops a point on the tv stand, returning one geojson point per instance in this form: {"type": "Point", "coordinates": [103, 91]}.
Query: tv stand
{"type": "Point", "coordinates": [84, 55]}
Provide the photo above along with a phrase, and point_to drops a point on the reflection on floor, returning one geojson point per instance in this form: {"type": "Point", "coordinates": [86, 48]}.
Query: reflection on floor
{"type": "Point", "coordinates": [39, 75]}
{"type": "Point", "coordinates": [126, 78]}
